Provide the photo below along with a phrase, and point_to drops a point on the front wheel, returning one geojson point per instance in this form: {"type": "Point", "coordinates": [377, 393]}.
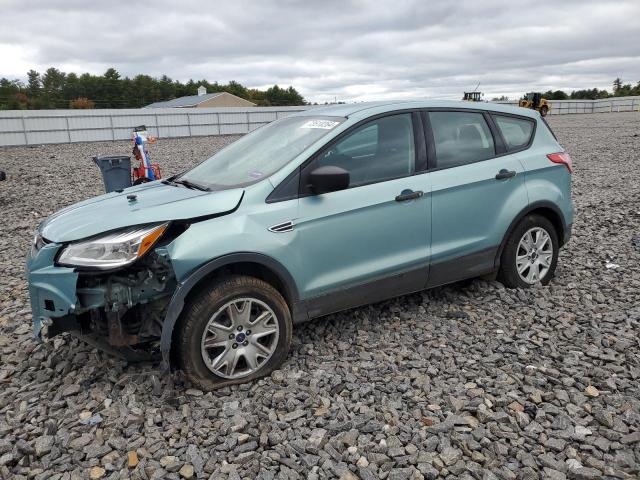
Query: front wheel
{"type": "Point", "coordinates": [237, 330]}
{"type": "Point", "coordinates": [544, 110]}
{"type": "Point", "coordinates": [530, 254]}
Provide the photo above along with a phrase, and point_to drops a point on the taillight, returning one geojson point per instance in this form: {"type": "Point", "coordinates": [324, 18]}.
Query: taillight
{"type": "Point", "coordinates": [563, 158]}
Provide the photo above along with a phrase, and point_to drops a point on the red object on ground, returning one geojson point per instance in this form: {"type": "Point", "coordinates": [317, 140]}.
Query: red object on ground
{"type": "Point", "coordinates": [137, 173]}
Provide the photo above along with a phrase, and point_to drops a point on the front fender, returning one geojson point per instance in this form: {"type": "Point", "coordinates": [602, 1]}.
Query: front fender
{"type": "Point", "coordinates": [176, 303]}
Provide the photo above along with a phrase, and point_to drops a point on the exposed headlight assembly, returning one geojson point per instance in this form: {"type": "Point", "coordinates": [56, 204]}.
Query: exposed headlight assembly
{"type": "Point", "coordinates": [112, 250]}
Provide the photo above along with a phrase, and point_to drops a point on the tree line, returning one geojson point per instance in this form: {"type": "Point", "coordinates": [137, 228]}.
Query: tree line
{"type": "Point", "coordinates": [619, 90]}
{"type": "Point", "coordinates": [55, 89]}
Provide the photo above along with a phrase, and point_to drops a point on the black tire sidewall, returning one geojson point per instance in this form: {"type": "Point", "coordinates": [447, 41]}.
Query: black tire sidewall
{"type": "Point", "coordinates": [205, 304]}
{"type": "Point", "coordinates": [508, 271]}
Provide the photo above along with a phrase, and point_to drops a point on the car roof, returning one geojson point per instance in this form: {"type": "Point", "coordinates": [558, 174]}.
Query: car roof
{"type": "Point", "coordinates": [367, 109]}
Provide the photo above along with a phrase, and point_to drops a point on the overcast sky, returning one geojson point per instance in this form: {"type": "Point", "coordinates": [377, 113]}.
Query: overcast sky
{"type": "Point", "coordinates": [350, 50]}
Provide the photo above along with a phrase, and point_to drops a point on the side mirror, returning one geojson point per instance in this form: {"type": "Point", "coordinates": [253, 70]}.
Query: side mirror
{"type": "Point", "coordinates": [329, 179]}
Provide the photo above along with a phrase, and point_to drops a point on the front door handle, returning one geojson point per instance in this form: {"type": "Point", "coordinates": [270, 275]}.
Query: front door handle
{"type": "Point", "coordinates": [409, 195]}
{"type": "Point", "coordinates": [504, 173]}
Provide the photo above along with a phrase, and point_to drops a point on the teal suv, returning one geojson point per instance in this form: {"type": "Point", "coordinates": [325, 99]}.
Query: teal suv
{"type": "Point", "coordinates": [314, 213]}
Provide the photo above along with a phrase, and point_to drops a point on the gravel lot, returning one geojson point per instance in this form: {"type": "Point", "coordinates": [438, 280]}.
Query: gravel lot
{"type": "Point", "coordinates": [467, 381]}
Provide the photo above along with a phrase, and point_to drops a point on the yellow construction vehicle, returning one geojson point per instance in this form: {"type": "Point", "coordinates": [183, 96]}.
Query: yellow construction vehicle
{"type": "Point", "coordinates": [536, 101]}
{"type": "Point", "coordinates": [472, 96]}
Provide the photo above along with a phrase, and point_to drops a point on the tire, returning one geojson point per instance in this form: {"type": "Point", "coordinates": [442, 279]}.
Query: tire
{"type": "Point", "coordinates": [508, 273]}
{"type": "Point", "coordinates": [213, 308]}
{"type": "Point", "coordinates": [140, 181]}
{"type": "Point", "coordinates": [544, 110]}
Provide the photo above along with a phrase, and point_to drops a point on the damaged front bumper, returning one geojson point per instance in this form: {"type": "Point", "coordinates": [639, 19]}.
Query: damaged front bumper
{"type": "Point", "coordinates": [114, 310]}
{"type": "Point", "coordinates": [52, 289]}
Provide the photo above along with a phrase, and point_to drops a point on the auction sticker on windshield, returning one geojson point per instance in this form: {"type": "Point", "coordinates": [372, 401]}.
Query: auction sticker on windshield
{"type": "Point", "coordinates": [324, 124]}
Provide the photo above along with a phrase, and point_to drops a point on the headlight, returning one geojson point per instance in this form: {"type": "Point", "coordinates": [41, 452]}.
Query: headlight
{"type": "Point", "coordinates": [112, 250]}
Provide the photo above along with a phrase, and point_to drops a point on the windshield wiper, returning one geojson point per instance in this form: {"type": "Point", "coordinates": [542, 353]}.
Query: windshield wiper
{"type": "Point", "coordinates": [194, 186]}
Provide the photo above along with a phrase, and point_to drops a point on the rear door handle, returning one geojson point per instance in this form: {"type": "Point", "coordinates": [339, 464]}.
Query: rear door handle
{"type": "Point", "coordinates": [409, 195]}
{"type": "Point", "coordinates": [504, 173]}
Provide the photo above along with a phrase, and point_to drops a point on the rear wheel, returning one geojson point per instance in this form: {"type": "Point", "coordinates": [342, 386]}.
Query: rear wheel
{"type": "Point", "coordinates": [234, 332]}
{"type": "Point", "coordinates": [530, 254]}
{"type": "Point", "coordinates": [544, 110]}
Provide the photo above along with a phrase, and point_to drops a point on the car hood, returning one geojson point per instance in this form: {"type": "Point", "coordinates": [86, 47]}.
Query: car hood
{"type": "Point", "coordinates": [154, 202]}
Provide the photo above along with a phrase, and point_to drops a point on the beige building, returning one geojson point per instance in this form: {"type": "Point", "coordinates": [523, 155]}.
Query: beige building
{"type": "Point", "coordinates": [204, 100]}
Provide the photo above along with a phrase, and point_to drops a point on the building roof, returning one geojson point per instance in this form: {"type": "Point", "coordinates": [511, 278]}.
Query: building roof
{"type": "Point", "coordinates": [188, 101]}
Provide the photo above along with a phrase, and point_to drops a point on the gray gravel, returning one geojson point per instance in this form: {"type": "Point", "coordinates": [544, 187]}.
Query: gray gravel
{"type": "Point", "coordinates": [467, 381]}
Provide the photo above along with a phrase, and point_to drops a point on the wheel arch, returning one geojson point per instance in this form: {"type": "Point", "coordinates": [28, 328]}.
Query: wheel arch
{"type": "Point", "coordinates": [546, 209]}
{"type": "Point", "coordinates": [252, 264]}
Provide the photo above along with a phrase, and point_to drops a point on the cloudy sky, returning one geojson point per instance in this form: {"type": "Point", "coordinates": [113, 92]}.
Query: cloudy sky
{"type": "Point", "coordinates": [349, 50]}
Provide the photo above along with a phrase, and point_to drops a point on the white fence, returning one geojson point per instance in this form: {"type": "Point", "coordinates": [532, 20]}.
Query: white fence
{"type": "Point", "coordinates": [605, 105]}
{"type": "Point", "coordinates": [35, 127]}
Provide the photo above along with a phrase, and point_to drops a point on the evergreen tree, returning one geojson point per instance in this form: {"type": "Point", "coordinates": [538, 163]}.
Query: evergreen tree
{"type": "Point", "coordinates": [111, 90]}
{"type": "Point", "coordinates": [617, 85]}
{"type": "Point", "coordinates": [52, 85]}
{"type": "Point", "coordinates": [55, 89]}
{"type": "Point", "coordinates": [33, 84]}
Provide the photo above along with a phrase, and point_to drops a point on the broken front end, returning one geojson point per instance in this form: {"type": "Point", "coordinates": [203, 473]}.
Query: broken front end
{"type": "Point", "coordinates": [119, 306]}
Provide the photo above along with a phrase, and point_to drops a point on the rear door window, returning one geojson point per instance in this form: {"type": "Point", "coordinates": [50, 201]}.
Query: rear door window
{"type": "Point", "coordinates": [515, 131]}
{"type": "Point", "coordinates": [460, 138]}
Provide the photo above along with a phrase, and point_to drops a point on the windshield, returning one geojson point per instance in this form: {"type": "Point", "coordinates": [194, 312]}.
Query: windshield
{"type": "Point", "coordinates": [260, 153]}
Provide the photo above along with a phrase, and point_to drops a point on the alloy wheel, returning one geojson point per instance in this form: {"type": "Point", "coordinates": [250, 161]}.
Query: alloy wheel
{"type": "Point", "coordinates": [239, 338]}
{"type": "Point", "coordinates": [534, 255]}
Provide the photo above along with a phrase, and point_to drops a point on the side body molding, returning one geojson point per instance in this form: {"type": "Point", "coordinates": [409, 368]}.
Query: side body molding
{"type": "Point", "coordinates": [176, 303]}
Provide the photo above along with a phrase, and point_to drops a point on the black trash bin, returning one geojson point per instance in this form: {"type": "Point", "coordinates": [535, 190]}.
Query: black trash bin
{"type": "Point", "coordinates": [116, 172]}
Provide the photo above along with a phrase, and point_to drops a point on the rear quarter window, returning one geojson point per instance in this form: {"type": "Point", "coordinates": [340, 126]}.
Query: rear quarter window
{"type": "Point", "coordinates": [516, 131]}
